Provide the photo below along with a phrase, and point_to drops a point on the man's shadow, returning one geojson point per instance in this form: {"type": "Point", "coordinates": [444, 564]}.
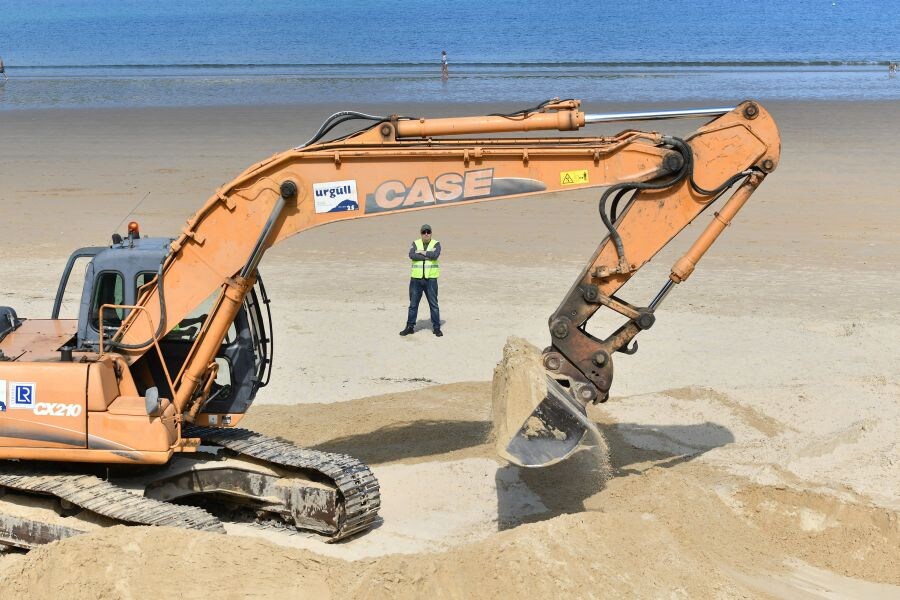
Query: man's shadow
{"type": "Point", "coordinates": [537, 494]}
{"type": "Point", "coordinates": [425, 324]}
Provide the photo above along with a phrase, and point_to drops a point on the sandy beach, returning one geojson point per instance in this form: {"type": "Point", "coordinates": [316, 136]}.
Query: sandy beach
{"type": "Point", "coordinates": [753, 438]}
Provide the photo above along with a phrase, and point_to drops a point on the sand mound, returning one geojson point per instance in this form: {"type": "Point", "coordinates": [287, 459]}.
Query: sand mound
{"type": "Point", "coordinates": [458, 523]}
{"type": "Point", "coordinates": [517, 389]}
{"type": "Point", "coordinates": [146, 562]}
{"type": "Point", "coordinates": [690, 533]}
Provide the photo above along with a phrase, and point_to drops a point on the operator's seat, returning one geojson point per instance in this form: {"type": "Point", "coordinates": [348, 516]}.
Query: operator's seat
{"type": "Point", "coordinates": [109, 290]}
{"type": "Point", "coordinates": [108, 296]}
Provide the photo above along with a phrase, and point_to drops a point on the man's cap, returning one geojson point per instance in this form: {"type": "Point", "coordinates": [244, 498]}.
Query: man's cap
{"type": "Point", "coordinates": [424, 227]}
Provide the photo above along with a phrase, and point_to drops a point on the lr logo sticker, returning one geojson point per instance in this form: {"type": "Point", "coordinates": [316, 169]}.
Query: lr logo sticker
{"type": "Point", "coordinates": [21, 395]}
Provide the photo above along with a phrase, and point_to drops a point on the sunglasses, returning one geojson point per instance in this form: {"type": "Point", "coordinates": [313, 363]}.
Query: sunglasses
{"type": "Point", "coordinates": [426, 231]}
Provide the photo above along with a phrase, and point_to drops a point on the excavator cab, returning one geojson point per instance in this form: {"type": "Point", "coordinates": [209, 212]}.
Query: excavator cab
{"type": "Point", "coordinates": [117, 275]}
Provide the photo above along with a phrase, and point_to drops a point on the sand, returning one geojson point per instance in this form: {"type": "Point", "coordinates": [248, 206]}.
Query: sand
{"type": "Point", "coordinates": [753, 437]}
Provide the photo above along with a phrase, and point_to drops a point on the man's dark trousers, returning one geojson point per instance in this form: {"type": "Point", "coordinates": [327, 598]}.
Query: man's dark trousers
{"type": "Point", "coordinates": [430, 288]}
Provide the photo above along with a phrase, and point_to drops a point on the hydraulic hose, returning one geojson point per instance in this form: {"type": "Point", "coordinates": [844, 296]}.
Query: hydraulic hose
{"type": "Point", "coordinates": [686, 170]}
{"type": "Point", "coordinates": [620, 189]}
{"type": "Point", "coordinates": [342, 117]}
{"type": "Point", "coordinates": [160, 330]}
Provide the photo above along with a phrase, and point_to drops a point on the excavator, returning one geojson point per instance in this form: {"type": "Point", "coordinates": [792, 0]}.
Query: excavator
{"type": "Point", "coordinates": [128, 413]}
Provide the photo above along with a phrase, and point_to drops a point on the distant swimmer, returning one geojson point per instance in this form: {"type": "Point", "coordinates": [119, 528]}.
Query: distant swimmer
{"type": "Point", "coordinates": [892, 68]}
{"type": "Point", "coordinates": [3, 70]}
{"type": "Point", "coordinates": [445, 69]}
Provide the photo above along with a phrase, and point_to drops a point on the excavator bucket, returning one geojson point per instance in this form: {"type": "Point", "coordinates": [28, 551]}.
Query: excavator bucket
{"type": "Point", "coordinates": [551, 432]}
{"type": "Point", "coordinates": [537, 422]}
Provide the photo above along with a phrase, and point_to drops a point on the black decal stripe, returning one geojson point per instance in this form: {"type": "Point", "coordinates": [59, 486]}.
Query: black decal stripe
{"type": "Point", "coordinates": [27, 430]}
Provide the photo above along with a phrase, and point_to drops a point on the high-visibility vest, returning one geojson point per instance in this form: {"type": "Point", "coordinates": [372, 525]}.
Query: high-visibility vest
{"type": "Point", "coordinates": [425, 269]}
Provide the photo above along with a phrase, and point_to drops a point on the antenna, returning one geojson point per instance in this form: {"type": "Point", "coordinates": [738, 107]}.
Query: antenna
{"type": "Point", "coordinates": [130, 212]}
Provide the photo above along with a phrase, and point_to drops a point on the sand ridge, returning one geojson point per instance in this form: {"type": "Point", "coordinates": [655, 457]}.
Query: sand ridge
{"type": "Point", "coordinates": [657, 522]}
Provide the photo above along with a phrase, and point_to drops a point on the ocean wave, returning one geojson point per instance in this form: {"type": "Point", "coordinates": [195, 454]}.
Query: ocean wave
{"type": "Point", "coordinates": [472, 64]}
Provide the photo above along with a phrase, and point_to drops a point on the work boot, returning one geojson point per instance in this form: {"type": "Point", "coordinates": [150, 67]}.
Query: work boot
{"type": "Point", "coordinates": [407, 331]}
{"type": "Point", "coordinates": [438, 332]}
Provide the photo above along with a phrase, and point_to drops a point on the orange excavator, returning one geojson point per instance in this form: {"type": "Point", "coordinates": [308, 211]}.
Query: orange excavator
{"type": "Point", "coordinates": [128, 414]}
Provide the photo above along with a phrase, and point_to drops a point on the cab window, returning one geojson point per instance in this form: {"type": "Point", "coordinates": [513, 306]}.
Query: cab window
{"type": "Point", "coordinates": [109, 289]}
{"type": "Point", "coordinates": [141, 280]}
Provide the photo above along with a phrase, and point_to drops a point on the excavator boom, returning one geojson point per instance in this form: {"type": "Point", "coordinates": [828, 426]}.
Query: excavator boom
{"type": "Point", "coordinates": [656, 186]}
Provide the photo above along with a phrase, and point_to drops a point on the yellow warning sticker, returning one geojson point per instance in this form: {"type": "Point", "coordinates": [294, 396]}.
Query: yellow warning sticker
{"type": "Point", "coordinates": [573, 177]}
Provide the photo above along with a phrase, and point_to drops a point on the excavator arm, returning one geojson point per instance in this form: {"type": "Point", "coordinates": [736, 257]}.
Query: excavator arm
{"type": "Point", "coordinates": [655, 186]}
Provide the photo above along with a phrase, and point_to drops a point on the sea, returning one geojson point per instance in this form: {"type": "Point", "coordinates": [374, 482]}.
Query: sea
{"type": "Point", "coordinates": [136, 53]}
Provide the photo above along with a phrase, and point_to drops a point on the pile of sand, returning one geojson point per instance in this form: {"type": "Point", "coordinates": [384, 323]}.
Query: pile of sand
{"type": "Point", "coordinates": [458, 523]}
{"type": "Point", "coordinates": [517, 389]}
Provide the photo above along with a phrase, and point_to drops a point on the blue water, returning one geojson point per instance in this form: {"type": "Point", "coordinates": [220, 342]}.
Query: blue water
{"type": "Point", "coordinates": [67, 53]}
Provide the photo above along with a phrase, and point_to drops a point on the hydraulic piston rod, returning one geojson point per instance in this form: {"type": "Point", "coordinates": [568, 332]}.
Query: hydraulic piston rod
{"type": "Point", "coordinates": [655, 115]}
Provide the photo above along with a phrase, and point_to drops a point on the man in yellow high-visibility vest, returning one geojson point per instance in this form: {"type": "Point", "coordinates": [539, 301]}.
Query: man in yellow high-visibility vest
{"type": "Point", "coordinates": [424, 254]}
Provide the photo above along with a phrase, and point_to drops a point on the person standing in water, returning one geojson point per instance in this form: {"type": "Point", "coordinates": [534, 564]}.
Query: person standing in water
{"type": "Point", "coordinates": [445, 69]}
